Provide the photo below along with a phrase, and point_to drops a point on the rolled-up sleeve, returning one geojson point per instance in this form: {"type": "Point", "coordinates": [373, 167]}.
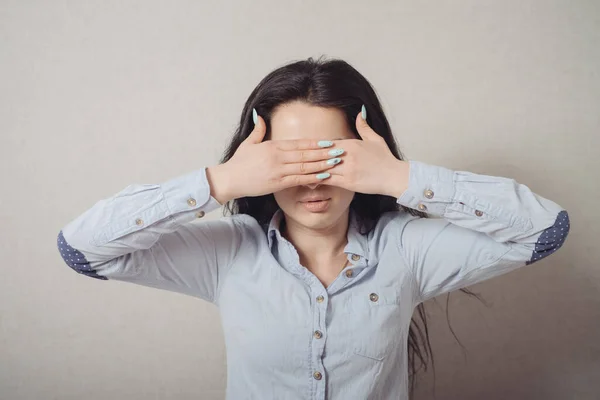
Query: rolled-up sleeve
{"type": "Point", "coordinates": [152, 235]}
{"type": "Point", "coordinates": [483, 226]}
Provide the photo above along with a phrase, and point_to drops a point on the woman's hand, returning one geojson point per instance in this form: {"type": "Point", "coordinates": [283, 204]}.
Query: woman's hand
{"type": "Point", "coordinates": [258, 168]}
{"type": "Point", "coordinates": [368, 166]}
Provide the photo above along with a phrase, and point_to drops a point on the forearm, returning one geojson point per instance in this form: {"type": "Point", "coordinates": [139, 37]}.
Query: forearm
{"type": "Point", "coordinates": [133, 219]}
{"type": "Point", "coordinates": [500, 207]}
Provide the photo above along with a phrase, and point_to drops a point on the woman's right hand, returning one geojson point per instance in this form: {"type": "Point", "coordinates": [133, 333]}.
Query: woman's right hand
{"type": "Point", "coordinates": [258, 168]}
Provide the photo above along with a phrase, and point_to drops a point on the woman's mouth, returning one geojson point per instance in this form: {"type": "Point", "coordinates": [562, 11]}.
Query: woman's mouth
{"type": "Point", "coordinates": [316, 206]}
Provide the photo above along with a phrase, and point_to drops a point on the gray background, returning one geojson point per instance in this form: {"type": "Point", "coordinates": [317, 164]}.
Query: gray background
{"type": "Point", "coordinates": [95, 95]}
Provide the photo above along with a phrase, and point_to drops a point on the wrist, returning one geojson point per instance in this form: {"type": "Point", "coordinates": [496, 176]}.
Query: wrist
{"type": "Point", "coordinates": [398, 181]}
{"type": "Point", "coordinates": [218, 182]}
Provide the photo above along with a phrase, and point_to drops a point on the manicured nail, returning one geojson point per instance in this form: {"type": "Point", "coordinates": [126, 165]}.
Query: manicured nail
{"type": "Point", "coordinates": [323, 175]}
{"type": "Point", "coordinates": [333, 161]}
{"type": "Point", "coordinates": [325, 143]}
{"type": "Point", "coordinates": [335, 152]}
{"type": "Point", "coordinates": [364, 112]}
{"type": "Point", "coordinates": [254, 116]}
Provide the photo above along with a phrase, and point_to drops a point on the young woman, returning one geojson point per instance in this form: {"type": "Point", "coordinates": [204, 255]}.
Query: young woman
{"type": "Point", "coordinates": [328, 249]}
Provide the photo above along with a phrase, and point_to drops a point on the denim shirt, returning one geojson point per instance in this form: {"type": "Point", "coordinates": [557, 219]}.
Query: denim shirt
{"type": "Point", "coordinates": [287, 336]}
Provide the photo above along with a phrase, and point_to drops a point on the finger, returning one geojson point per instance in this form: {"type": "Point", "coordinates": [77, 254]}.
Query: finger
{"type": "Point", "coordinates": [335, 180]}
{"type": "Point", "coordinates": [297, 180]}
{"type": "Point", "coordinates": [303, 144]}
{"type": "Point", "coordinates": [303, 168]}
{"type": "Point", "coordinates": [363, 128]}
{"type": "Point", "coordinates": [258, 133]}
{"type": "Point", "coordinates": [309, 155]}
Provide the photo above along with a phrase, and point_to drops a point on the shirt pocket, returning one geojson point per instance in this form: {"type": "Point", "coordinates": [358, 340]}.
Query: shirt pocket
{"type": "Point", "coordinates": [378, 325]}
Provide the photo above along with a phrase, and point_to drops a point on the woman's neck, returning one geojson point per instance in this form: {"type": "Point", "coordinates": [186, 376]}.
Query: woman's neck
{"type": "Point", "coordinates": [318, 246]}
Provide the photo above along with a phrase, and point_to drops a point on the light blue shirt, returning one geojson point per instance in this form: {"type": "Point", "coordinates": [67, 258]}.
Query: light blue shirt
{"type": "Point", "coordinates": [286, 335]}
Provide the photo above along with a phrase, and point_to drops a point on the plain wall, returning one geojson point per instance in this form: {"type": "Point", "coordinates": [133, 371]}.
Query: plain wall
{"type": "Point", "coordinates": [96, 95]}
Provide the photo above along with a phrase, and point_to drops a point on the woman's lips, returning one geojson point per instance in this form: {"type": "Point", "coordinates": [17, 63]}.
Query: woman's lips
{"type": "Point", "coordinates": [316, 206]}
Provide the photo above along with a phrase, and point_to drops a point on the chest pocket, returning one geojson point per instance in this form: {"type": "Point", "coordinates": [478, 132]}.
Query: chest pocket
{"type": "Point", "coordinates": [378, 317]}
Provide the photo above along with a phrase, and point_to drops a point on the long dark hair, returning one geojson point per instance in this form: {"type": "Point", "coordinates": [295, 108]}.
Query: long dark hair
{"type": "Point", "coordinates": [330, 83]}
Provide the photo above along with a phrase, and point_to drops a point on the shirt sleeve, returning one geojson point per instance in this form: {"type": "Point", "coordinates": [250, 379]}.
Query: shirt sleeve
{"type": "Point", "coordinates": [150, 234]}
{"type": "Point", "coordinates": [482, 227]}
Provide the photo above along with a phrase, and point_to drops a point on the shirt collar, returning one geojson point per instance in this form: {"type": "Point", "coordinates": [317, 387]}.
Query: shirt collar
{"type": "Point", "coordinates": [357, 242]}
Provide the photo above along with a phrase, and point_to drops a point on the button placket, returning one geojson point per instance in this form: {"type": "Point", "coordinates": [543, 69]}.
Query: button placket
{"type": "Point", "coordinates": [319, 345]}
{"type": "Point", "coordinates": [350, 272]}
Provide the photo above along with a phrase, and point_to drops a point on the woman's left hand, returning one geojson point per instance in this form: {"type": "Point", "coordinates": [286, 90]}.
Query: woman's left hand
{"type": "Point", "coordinates": [368, 166]}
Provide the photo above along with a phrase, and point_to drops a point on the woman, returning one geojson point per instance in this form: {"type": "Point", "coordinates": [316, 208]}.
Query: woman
{"type": "Point", "coordinates": [327, 251]}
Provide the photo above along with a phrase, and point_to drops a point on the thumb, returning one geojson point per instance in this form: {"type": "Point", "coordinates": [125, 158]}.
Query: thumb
{"type": "Point", "coordinates": [363, 128]}
{"type": "Point", "coordinates": [260, 128]}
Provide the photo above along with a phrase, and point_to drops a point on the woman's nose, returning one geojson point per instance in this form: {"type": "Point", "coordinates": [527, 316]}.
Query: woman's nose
{"type": "Point", "coordinates": [313, 186]}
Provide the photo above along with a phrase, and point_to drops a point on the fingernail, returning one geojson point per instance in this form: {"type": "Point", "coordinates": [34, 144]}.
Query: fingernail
{"type": "Point", "coordinates": [323, 175]}
{"type": "Point", "coordinates": [335, 152]}
{"type": "Point", "coordinates": [325, 143]}
{"type": "Point", "coordinates": [333, 161]}
{"type": "Point", "coordinates": [364, 112]}
{"type": "Point", "coordinates": [254, 116]}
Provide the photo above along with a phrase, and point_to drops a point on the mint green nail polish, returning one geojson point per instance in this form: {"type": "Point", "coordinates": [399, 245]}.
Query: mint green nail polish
{"type": "Point", "coordinates": [323, 175]}
{"type": "Point", "coordinates": [336, 152]}
{"type": "Point", "coordinates": [364, 112]}
{"type": "Point", "coordinates": [254, 116]}
{"type": "Point", "coordinates": [333, 161]}
{"type": "Point", "coordinates": [325, 143]}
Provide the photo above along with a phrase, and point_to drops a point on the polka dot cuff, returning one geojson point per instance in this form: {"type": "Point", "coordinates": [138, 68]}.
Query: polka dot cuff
{"type": "Point", "coordinates": [552, 238]}
{"type": "Point", "coordinates": [75, 259]}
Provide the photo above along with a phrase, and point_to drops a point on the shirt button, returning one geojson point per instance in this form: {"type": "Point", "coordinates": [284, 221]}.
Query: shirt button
{"type": "Point", "coordinates": [191, 202]}
{"type": "Point", "coordinates": [200, 214]}
{"type": "Point", "coordinates": [349, 273]}
{"type": "Point", "coordinates": [373, 297]}
{"type": "Point", "coordinates": [139, 222]}
{"type": "Point", "coordinates": [422, 207]}
{"type": "Point", "coordinates": [429, 194]}
{"type": "Point", "coordinates": [320, 299]}
{"type": "Point", "coordinates": [478, 213]}
{"type": "Point", "coordinates": [355, 257]}
{"type": "Point", "coordinates": [317, 375]}
{"type": "Point", "coordinates": [318, 334]}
